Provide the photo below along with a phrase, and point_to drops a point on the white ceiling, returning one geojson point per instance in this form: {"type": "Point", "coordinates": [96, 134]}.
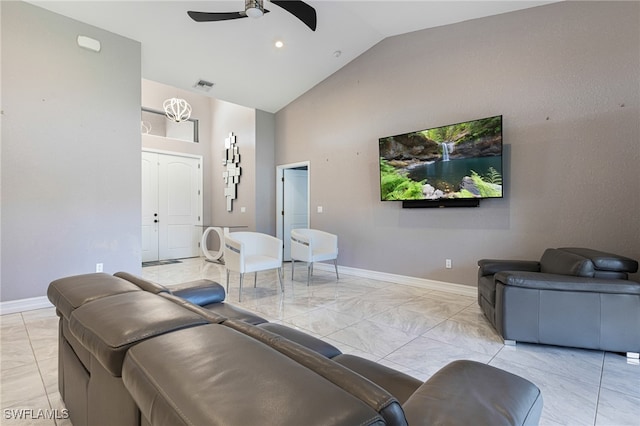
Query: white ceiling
{"type": "Point", "coordinates": [239, 56]}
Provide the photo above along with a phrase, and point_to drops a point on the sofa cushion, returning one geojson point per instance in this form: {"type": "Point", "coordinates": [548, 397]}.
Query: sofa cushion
{"type": "Point", "coordinates": [214, 375]}
{"type": "Point", "coordinates": [68, 293]}
{"type": "Point", "coordinates": [108, 327]}
{"type": "Point", "coordinates": [605, 261]}
{"type": "Point", "coordinates": [562, 262]}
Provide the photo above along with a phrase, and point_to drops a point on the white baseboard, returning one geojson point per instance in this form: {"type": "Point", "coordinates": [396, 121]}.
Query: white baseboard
{"type": "Point", "coordinates": [460, 289]}
{"type": "Point", "coordinates": [22, 305]}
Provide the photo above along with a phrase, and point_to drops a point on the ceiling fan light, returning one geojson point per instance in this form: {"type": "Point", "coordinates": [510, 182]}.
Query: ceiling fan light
{"type": "Point", "coordinates": [253, 8]}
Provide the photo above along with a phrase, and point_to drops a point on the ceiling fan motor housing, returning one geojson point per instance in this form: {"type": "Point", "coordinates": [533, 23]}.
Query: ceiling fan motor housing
{"type": "Point", "coordinates": [254, 8]}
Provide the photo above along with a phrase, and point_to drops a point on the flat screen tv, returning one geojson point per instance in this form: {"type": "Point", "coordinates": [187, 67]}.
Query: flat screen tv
{"type": "Point", "coordinates": [460, 161]}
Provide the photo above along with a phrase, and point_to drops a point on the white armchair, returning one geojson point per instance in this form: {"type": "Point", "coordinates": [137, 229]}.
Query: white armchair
{"type": "Point", "coordinates": [252, 252]}
{"type": "Point", "coordinates": [312, 245]}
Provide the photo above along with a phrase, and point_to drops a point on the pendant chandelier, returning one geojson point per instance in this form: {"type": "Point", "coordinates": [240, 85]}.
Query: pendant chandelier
{"type": "Point", "coordinates": [177, 109]}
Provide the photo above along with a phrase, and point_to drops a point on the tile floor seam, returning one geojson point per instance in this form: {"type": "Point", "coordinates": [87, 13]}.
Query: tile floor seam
{"type": "Point", "coordinates": [595, 417]}
{"type": "Point", "coordinates": [44, 386]}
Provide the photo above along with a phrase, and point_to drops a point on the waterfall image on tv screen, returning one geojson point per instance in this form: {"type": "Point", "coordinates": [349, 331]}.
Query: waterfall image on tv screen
{"type": "Point", "coordinates": [462, 160]}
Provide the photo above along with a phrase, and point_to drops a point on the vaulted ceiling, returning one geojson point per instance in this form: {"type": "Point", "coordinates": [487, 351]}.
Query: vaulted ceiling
{"type": "Point", "coordinates": [240, 57]}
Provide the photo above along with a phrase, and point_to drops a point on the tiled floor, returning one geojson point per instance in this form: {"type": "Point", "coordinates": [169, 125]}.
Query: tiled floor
{"type": "Point", "coordinates": [411, 329]}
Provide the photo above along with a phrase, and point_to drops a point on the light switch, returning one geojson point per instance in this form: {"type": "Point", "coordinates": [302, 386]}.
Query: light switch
{"type": "Point", "coordinates": [319, 209]}
{"type": "Point", "coordinates": [243, 209]}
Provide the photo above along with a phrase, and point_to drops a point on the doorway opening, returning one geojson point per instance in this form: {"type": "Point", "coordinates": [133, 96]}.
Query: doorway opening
{"type": "Point", "coordinates": [292, 202]}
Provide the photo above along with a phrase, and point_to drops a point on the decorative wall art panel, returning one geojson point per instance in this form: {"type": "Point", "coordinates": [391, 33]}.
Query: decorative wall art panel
{"type": "Point", "coordinates": [231, 173]}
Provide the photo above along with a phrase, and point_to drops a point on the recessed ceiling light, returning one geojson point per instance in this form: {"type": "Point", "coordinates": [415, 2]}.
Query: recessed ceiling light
{"type": "Point", "coordinates": [279, 44]}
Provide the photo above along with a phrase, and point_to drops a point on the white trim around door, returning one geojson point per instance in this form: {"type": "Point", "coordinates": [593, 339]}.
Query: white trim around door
{"type": "Point", "coordinates": [281, 202]}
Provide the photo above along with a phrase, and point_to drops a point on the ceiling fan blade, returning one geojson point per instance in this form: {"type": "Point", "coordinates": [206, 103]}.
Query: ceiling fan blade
{"type": "Point", "coordinates": [215, 16]}
{"type": "Point", "coordinates": [300, 10]}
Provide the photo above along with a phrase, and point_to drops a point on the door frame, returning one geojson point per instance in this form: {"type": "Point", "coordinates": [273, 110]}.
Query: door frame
{"type": "Point", "coordinates": [200, 158]}
{"type": "Point", "coordinates": [280, 198]}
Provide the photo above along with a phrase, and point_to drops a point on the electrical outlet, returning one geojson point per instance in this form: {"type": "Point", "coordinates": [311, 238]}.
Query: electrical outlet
{"type": "Point", "coordinates": [99, 267]}
{"type": "Point", "coordinates": [447, 263]}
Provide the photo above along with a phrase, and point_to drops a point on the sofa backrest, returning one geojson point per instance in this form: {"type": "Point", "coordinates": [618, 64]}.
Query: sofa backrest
{"type": "Point", "coordinates": [69, 293]}
{"type": "Point", "coordinates": [606, 265]}
{"type": "Point", "coordinates": [109, 326]}
{"type": "Point", "coordinates": [219, 375]}
{"type": "Point", "coordinates": [371, 394]}
{"type": "Point", "coordinates": [584, 262]}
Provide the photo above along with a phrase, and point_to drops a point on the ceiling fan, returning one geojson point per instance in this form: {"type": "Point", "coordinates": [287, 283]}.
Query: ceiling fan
{"type": "Point", "coordinates": [255, 9]}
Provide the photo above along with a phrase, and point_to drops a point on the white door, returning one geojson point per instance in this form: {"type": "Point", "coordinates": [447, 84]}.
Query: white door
{"type": "Point", "coordinates": [170, 227]}
{"type": "Point", "coordinates": [149, 206]}
{"type": "Point", "coordinates": [295, 197]}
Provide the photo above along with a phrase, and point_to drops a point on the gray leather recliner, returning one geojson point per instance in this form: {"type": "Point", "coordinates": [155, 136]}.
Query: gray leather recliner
{"type": "Point", "coordinates": [574, 297]}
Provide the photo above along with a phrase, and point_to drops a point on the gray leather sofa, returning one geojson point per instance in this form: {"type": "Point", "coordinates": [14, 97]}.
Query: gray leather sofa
{"type": "Point", "coordinates": [133, 352]}
{"type": "Point", "coordinates": [574, 297]}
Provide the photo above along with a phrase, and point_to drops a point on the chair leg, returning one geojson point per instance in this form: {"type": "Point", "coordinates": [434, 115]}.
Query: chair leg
{"type": "Point", "coordinates": [280, 273]}
{"type": "Point", "coordinates": [309, 272]}
{"type": "Point", "coordinates": [255, 279]}
{"type": "Point", "coordinates": [240, 293]}
{"type": "Point", "coordinates": [227, 282]}
{"type": "Point", "coordinates": [292, 267]}
{"type": "Point", "coordinates": [335, 265]}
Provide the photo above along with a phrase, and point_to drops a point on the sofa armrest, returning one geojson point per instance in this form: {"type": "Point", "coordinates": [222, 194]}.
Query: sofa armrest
{"type": "Point", "coordinates": [199, 292]}
{"type": "Point", "coordinates": [555, 282]}
{"type": "Point", "coordinates": [491, 266]}
{"type": "Point", "coordinates": [471, 393]}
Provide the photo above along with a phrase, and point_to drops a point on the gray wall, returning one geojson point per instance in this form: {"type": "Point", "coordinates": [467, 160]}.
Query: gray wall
{"type": "Point", "coordinates": [240, 120]}
{"type": "Point", "coordinates": [564, 76]}
{"type": "Point", "coordinates": [70, 151]}
{"type": "Point", "coordinates": [265, 173]}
